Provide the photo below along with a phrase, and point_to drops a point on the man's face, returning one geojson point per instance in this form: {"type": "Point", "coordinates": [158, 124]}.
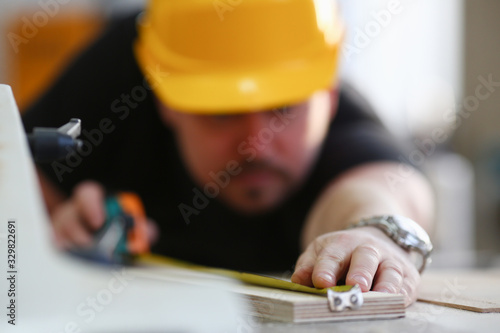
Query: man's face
{"type": "Point", "coordinates": [253, 161]}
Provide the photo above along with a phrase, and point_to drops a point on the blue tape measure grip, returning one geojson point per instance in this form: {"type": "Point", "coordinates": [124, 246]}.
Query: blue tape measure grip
{"type": "Point", "coordinates": [123, 234]}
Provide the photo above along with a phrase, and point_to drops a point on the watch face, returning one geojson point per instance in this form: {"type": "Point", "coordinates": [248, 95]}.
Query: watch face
{"type": "Point", "coordinates": [415, 236]}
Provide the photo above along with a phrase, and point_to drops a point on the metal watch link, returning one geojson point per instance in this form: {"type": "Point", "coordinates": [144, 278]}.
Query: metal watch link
{"type": "Point", "coordinates": [403, 231]}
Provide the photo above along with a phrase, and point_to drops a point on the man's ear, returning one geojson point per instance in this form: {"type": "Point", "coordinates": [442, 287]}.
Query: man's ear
{"type": "Point", "coordinates": [334, 101]}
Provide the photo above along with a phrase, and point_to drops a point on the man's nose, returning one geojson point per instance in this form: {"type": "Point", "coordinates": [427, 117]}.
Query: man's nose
{"type": "Point", "coordinates": [259, 134]}
{"type": "Point", "coordinates": [255, 123]}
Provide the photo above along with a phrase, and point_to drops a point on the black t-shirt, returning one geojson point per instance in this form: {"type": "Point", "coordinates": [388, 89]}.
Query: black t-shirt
{"type": "Point", "coordinates": [128, 148]}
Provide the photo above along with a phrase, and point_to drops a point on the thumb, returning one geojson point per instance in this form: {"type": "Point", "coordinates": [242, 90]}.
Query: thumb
{"type": "Point", "coordinates": [89, 200]}
{"type": "Point", "coordinates": [152, 231]}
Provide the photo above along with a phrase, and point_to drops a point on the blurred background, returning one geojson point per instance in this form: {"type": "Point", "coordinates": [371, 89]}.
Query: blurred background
{"type": "Point", "coordinates": [430, 68]}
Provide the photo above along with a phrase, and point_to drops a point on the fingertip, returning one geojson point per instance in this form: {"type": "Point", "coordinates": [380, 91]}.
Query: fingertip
{"type": "Point", "coordinates": [386, 289]}
{"type": "Point", "coordinates": [359, 280]}
{"type": "Point", "coordinates": [296, 278]}
{"type": "Point", "coordinates": [90, 200]}
{"type": "Point", "coordinates": [301, 276]}
{"type": "Point", "coordinates": [408, 300]}
{"type": "Point", "coordinates": [92, 187]}
{"type": "Point", "coordinates": [153, 233]}
{"type": "Point", "coordinates": [323, 280]}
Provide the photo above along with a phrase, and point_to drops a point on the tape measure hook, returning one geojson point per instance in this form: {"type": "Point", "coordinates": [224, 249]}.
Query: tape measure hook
{"type": "Point", "coordinates": [339, 300]}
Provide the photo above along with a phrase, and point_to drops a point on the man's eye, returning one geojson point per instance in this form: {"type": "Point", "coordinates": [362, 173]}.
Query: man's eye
{"type": "Point", "coordinates": [222, 117]}
{"type": "Point", "coordinates": [283, 108]}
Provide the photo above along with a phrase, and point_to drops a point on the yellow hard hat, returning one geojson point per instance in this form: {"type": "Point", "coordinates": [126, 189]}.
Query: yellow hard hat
{"type": "Point", "coordinates": [231, 56]}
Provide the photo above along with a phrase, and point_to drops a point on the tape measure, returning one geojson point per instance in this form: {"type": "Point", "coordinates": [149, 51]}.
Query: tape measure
{"type": "Point", "coordinates": [123, 239]}
{"type": "Point", "coordinates": [123, 234]}
{"type": "Point", "coordinates": [339, 297]}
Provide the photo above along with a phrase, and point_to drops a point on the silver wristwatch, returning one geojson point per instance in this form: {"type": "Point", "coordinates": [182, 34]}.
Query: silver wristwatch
{"type": "Point", "coordinates": [405, 232]}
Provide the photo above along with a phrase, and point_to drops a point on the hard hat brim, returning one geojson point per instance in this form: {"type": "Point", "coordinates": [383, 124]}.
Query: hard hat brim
{"type": "Point", "coordinates": [221, 92]}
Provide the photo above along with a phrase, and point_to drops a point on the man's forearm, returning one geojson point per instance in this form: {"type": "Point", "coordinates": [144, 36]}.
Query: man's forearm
{"type": "Point", "coordinates": [366, 191]}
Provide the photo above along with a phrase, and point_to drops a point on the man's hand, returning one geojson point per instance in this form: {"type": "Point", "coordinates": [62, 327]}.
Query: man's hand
{"type": "Point", "coordinates": [364, 256]}
{"type": "Point", "coordinates": [78, 218]}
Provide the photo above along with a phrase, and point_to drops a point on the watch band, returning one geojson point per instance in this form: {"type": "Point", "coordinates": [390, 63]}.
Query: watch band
{"type": "Point", "coordinates": [405, 232]}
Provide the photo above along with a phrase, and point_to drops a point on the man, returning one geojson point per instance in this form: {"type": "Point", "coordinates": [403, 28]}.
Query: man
{"type": "Point", "coordinates": [231, 135]}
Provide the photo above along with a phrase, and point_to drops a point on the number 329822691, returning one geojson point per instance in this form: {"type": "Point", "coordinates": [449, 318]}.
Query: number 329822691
{"type": "Point", "coordinates": [11, 244]}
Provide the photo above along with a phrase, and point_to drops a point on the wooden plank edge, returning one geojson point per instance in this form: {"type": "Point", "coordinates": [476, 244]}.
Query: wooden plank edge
{"type": "Point", "coordinates": [461, 306]}
{"type": "Point", "coordinates": [283, 311]}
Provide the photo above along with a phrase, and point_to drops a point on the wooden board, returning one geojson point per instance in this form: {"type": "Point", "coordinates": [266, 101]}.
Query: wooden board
{"type": "Point", "coordinates": [297, 307]}
{"type": "Point", "coordinates": [477, 291]}
{"type": "Point", "coordinates": [281, 305]}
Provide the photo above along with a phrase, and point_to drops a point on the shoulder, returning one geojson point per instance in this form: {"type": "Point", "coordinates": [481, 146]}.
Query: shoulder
{"type": "Point", "coordinates": [353, 107]}
{"type": "Point", "coordinates": [356, 136]}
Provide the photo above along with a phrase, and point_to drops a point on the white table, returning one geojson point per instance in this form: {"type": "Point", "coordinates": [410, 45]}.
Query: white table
{"type": "Point", "coordinates": [56, 294]}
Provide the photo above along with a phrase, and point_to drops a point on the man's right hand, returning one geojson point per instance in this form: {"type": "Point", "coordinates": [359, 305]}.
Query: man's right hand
{"type": "Point", "coordinates": [78, 218]}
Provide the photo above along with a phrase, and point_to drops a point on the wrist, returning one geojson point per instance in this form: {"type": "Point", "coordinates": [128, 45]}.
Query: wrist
{"type": "Point", "coordinates": [404, 232]}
